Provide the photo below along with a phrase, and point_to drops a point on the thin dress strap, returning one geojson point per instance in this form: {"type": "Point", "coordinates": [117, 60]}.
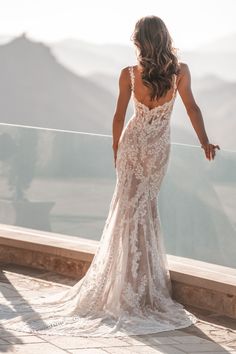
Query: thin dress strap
{"type": "Point", "coordinates": [175, 87]}
{"type": "Point", "coordinates": [131, 72]}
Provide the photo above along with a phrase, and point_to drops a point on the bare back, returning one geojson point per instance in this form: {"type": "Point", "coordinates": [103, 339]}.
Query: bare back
{"type": "Point", "coordinates": [142, 92]}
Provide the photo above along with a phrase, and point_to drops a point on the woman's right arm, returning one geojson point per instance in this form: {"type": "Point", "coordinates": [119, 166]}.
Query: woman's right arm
{"type": "Point", "coordinates": [193, 111]}
{"type": "Point", "coordinates": [121, 107]}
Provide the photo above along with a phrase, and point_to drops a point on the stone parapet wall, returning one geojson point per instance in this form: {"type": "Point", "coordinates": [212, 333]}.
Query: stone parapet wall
{"type": "Point", "coordinates": [195, 283]}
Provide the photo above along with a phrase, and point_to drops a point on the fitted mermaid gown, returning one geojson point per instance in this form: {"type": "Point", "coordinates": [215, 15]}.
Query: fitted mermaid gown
{"type": "Point", "coordinates": [127, 289]}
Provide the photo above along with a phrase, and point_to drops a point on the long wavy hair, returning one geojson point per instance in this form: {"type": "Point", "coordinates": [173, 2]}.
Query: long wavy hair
{"type": "Point", "coordinates": [157, 56]}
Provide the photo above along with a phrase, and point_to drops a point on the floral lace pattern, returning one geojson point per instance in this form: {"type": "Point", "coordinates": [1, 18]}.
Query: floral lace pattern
{"type": "Point", "coordinates": [127, 289]}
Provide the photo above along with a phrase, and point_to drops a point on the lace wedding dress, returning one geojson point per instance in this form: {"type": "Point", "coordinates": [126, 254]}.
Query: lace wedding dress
{"type": "Point", "coordinates": [127, 289]}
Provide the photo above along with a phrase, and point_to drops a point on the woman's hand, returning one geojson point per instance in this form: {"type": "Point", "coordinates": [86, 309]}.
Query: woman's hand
{"type": "Point", "coordinates": [210, 150]}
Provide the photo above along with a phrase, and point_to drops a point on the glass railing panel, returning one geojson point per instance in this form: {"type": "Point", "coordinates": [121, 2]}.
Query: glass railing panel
{"type": "Point", "coordinates": [63, 182]}
{"type": "Point", "coordinates": [55, 181]}
{"type": "Point", "coordinates": [197, 205]}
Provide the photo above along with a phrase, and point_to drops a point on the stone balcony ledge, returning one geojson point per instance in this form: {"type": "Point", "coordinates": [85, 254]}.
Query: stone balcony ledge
{"type": "Point", "coordinates": [195, 283]}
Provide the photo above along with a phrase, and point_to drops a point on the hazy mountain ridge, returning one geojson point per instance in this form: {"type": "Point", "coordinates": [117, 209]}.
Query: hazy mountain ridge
{"type": "Point", "coordinates": [213, 83]}
{"type": "Point", "coordinates": [216, 99]}
{"type": "Point", "coordinates": [226, 43]}
{"type": "Point", "coordinates": [217, 57]}
{"type": "Point", "coordinates": [85, 58]}
{"type": "Point", "coordinates": [37, 89]}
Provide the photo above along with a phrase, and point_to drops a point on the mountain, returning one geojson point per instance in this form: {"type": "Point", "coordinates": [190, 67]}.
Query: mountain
{"type": "Point", "coordinates": [217, 57]}
{"type": "Point", "coordinates": [216, 99]}
{"type": "Point", "coordinates": [5, 39]}
{"type": "Point", "coordinates": [217, 63]}
{"type": "Point", "coordinates": [35, 89]}
{"type": "Point", "coordinates": [86, 58]}
{"type": "Point", "coordinates": [213, 82]}
{"type": "Point", "coordinates": [226, 44]}
{"type": "Point", "coordinates": [38, 88]}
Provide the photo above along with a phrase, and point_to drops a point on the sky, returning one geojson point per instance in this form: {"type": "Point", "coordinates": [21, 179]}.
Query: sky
{"type": "Point", "coordinates": [191, 23]}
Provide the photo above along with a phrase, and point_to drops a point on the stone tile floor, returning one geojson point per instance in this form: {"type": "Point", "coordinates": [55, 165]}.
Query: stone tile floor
{"type": "Point", "coordinates": [213, 334]}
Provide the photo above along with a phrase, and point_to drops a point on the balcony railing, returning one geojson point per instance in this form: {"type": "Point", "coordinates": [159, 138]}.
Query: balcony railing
{"type": "Point", "coordinates": [63, 181]}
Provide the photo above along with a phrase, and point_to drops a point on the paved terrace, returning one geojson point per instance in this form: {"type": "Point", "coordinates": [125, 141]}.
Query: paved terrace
{"type": "Point", "coordinates": [213, 334]}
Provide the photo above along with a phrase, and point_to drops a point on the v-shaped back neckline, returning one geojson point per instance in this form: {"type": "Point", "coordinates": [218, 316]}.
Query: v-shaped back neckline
{"type": "Point", "coordinates": [149, 109]}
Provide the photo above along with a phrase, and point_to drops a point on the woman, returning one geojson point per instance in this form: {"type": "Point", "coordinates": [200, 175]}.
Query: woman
{"type": "Point", "coordinates": [156, 64]}
{"type": "Point", "coordinates": [127, 289]}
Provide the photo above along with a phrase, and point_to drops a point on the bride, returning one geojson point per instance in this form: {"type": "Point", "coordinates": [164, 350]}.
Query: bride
{"type": "Point", "coordinates": [127, 289]}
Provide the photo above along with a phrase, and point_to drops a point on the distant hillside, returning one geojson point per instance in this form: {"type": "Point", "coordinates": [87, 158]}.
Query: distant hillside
{"type": "Point", "coordinates": [216, 58]}
{"type": "Point", "coordinates": [86, 58]}
{"type": "Point", "coordinates": [40, 86]}
{"type": "Point", "coordinates": [37, 90]}
{"type": "Point", "coordinates": [226, 44]}
{"type": "Point", "coordinates": [216, 98]}
{"type": "Point", "coordinates": [213, 82]}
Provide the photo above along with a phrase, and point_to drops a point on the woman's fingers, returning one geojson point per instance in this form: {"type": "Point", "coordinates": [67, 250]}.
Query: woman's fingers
{"type": "Point", "coordinates": [213, 147]}
{"type": "Point", "coordinates": [213, 153]}
{"type": "Point", "coordinates": [210, 151]}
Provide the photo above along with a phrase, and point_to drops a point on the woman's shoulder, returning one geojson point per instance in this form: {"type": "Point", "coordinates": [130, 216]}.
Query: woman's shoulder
{"type": "Point", "coordinates": [183, 71]}
{"type": "Point", "coordinates": [183, 66]}
{"type": "Point", "coordinates": [125, 72]}
{"type": "Point", "coordinates": [126, 69]}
